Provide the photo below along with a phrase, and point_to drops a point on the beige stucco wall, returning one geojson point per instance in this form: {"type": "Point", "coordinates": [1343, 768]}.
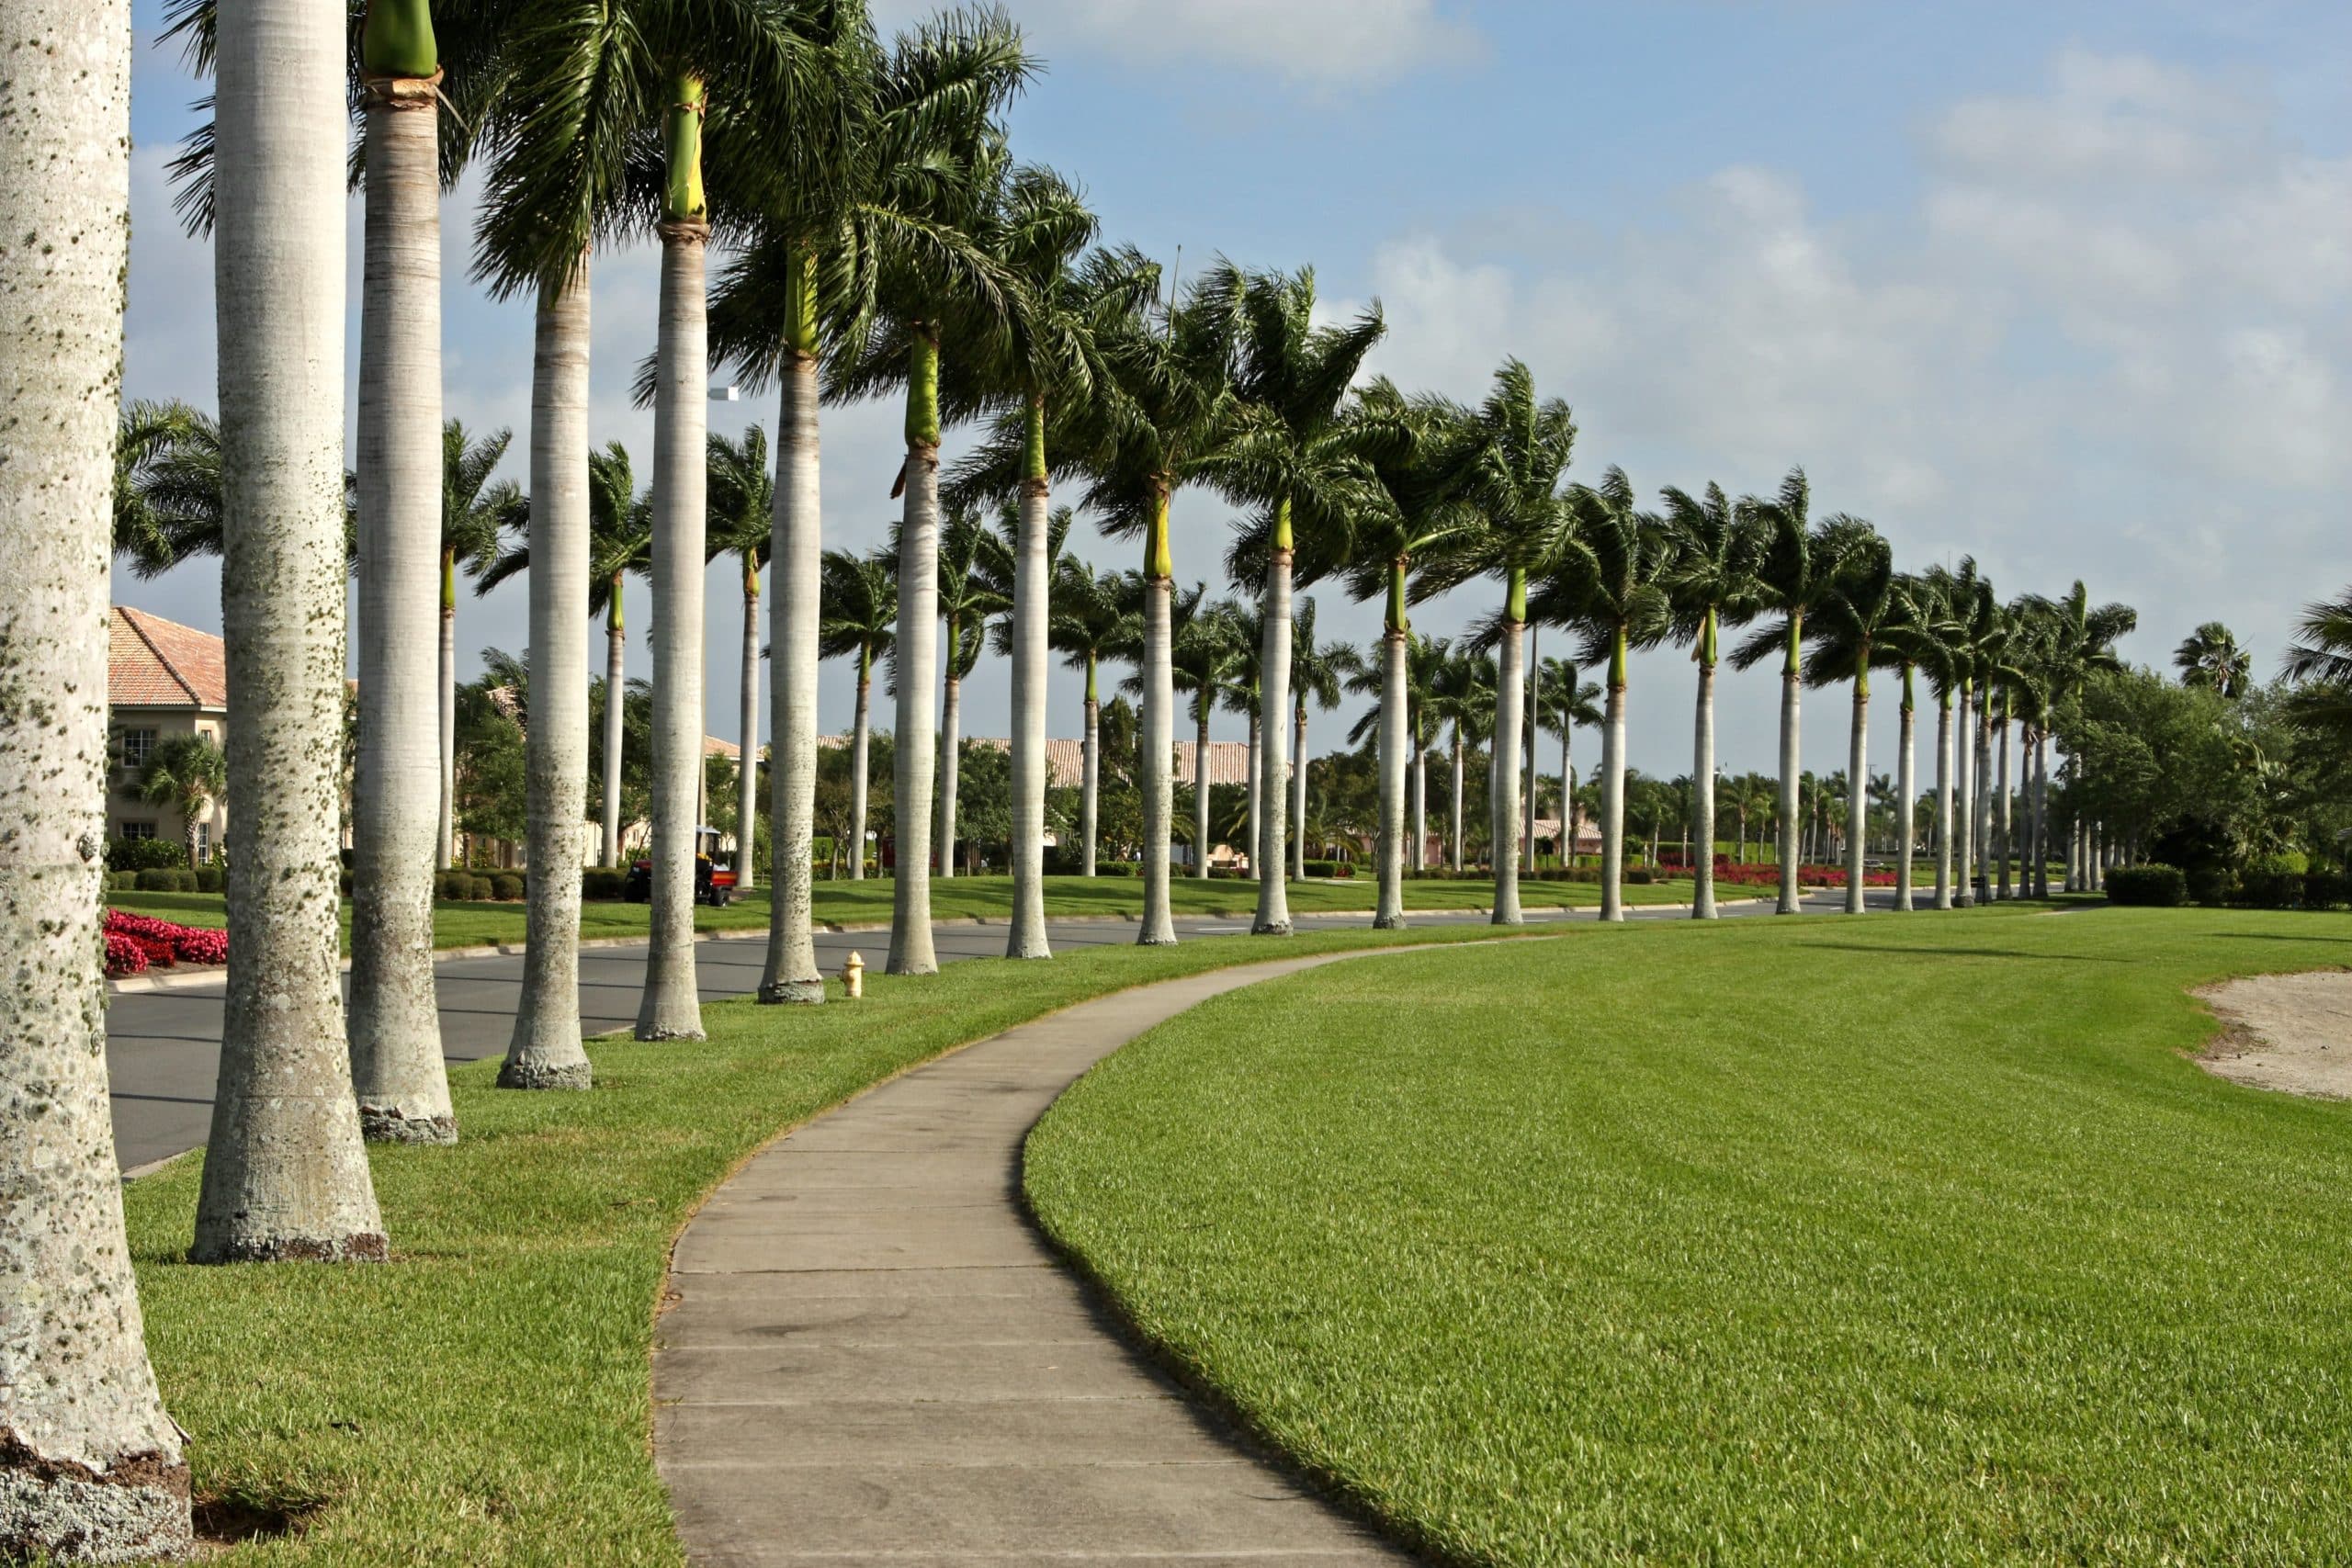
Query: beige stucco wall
{"type": "Point", "coordinates": [123, 802]}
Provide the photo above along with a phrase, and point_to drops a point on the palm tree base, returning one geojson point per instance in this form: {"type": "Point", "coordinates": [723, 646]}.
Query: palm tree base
{"type": "Point", "coordinates": [135, 1510]}
{"type": "Point", "coordinates": [803, 993]}
{"type": "Point", "coordinates": [1154, 938]}
{"type": "Point", "coordinates": [657, 1032]}
{"type": "Point", "coordinates": [380, 1124]}
{"type": "Point", "coordinates": [1272, 928]}
{"type": "Point", "coordinates": [1389, 923]}
{"type": "Point", "coordinates": [535, 1075]}
{"type": "Point", "coordinates": [365, 1246]}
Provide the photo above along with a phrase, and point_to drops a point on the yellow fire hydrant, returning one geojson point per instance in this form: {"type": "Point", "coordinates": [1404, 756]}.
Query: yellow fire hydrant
{"type": "Point", "coordinates": [853, 977]}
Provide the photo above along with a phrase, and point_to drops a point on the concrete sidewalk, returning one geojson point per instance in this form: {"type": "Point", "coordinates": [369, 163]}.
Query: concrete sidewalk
{"type": "Point", "coordinates": [872, 1357]}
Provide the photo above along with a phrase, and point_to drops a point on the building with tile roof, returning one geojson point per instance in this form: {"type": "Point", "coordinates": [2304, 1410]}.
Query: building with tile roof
{"type": "Point", "coordinates": [162, 680]}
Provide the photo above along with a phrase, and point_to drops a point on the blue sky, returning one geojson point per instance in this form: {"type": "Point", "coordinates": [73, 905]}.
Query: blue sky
{"type": "Point", "coordinates": [2064, 286]}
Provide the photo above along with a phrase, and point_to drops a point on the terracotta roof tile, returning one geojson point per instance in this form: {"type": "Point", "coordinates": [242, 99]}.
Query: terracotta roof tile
{"type": "Point", "coordinates": [153, 662]}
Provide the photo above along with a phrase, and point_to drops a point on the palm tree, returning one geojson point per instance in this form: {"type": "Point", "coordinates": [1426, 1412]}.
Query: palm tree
{"type": "Point", "coordinates": [1201, 663]}
{"type": "Point", "coordinates": [2209, 656]}
{"type": "Point", "coordinates": [2082, 642]}
{"type": "Point", "coordinates": [1425, 659]}
{"type": "Point", "coordinates": [1848, 627]}
{"type": "Point", "coordinates": [1932, 637]}
{"type": "Point", "coordinates": [1917, 632]}
{"type": "Point", "coordinates": [475, 513]}
{"type": "Point", "coordinates": [285, 1170]}
{"type": "Point", "coordinates": [1566, 703]}
{"type": "Point", "coordinates": [1514, 450]}
{"type": "Point", "coordinates": [188, 774]}
{"type": "Point", "coordinates": [859, 597]}
{"type": "Point", "coordinates": [1717, 549]}
{"type": "Point", "coordinates": [1318, 671]}
{"type": "Point", "coordinates": [1462, 697]}
{"type": "Point", "coordinates": [94, 1462]}
{"type": "Point", "coordinates": [166, 486]}
{"type": "Point", "coordinates": [2319, 661]}
{"type": "Point", "coordinates": [1293, 455]}
{"type": "Point", "coordinates": [740, 511]}
{"type": "Point", "coordinates": [1244, 689]}
{"type": "Point", "coordinates": [1611, 585]}
{"type": "Point", "coordinates": [1090, 623]}
{"type": "Point", "coordinates": [971, 565]}
{"type": "Point", "coordinates": [1800, 561]}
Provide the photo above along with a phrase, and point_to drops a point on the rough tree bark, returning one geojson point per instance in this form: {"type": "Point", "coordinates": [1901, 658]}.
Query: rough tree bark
{"type": "Point", "coordinates": [1266, 849]}
{"type": "Point", "coordinates": [1032, 619]}
{"type": "Point", "coordinates": [796, 544]}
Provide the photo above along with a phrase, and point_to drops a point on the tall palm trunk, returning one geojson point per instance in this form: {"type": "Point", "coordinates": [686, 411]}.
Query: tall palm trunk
{"type": "Point", "coordinates": [1503, 829]}
{"type": "Point", "coordinates": [1792, 825]}
{"type": "Point", "coordinates": [394, 1028]}
{"type": "Point", "coordinates": [914, 758]}
{"type": "Point", "coordinates": [1981, 798]}
{"type": "Point", "coordinates": [2002, 842]}
{"type": "Point", "coordinates": [2039, 878]}
{"type": "Point", "coordinates": [1943, 800]}
{"type": "Point", "coordinates": [1266, 845]}
{"type": "Point", "coordinates": [1033, 577]}
{"type": "Point", "coordinates": [1534, 709]}
{"type": "Point", "coordinates": [1421, 802]}
{"type": "Point", "coordinates": [1858, 789]}
{"type": "Point", "coordinates": [615, 686]}
{"type": "Point", "coordinates": [1388, 912]}
{"type": "Point", "coordinates": [670, 1008]}
{"type": "Point", "coordinates": [861, 736]}
{"type": "Point", "coordinates": [1612, 789]}
{"type": "Point", "coordinates": [795, 542]}
{"type": "Point", "coordinates": [543, 1051]}
{"type": "Point", "coordinates": [1156, 744]}
{"type": "Point", "coordinates": [1455, 806]}
{"type": "Point", "coordinates": [1090, 786]}
{"type": "Point", "coordinates": [284, 1171]}
{"type": "Point", "coordinates": [1298, 794]}
{"type": "Point", "coordinates": [1963, 801]}
{"type": "Point", "coordinates": [93, 1466]}
{"type": "Point", "coordinates": [1907, 782]}
{"type": "Point", "coordinates": [951, 716]}
{"type": "Point", "coordinates": [1256, 740]}
{"type": "Point", "coordinates": [1201, 785]}
{"type": "Point", "coordinates": [447, 682]}
{"type": "Point", "coordinates": [1567, 785]}
{"type": "Point", "coordinates": [1702, 777]}
{"type": "Point", "coordinates": [747, 765]}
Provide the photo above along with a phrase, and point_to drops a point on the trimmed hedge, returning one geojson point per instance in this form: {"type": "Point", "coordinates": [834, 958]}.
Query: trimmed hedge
{"type": "Point", "coordinates": [2162, 887]}
{"type": "Point", "coordinates": [159, 880]}
{"type": "Point", "coordinates": [210, 879]}
{"type": "Point", "coordinates": [506, 887]}
{"type": "Point", "coordinates": [604, 884]}
{"type": "Point", "coordinates": [1331, 868]}
{"type": "Point", "coordinates": [146, 854]}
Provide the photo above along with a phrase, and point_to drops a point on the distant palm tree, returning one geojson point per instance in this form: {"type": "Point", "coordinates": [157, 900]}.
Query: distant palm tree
{"type": "Point", "coordinates": [1462, 697]}
{"type": "Point", "coordinates": [1202, 656]}
{"type": "Point", "coordinates": [475, 513]}
{"type": "Point", "coordinates": [190, 773]}
{"type": "Point", "coordinates": [1567, 703]}
{"type": "Point", "coordinates": [1317, 672]}
{"type": "Point", "coordinates": [2211, 657]}
{"type": "Point", "coordinates": [2320, 662]}
{"type": "Point", "coordinates": [858, 603]}
{"type": "Point", "coordinates": [1932, 637]}
{"type": "Point", "coordinates": [1718, 547]}
{"type": "Point", "coordinates": [972, 563]}
{"type": "Point", "coordinates": [739, 510]}
{"type": "Point", "coordinates": [1848, 636]}
{"type": "Point", "coordinates": [1090, 624]}
{"type": "Point", "coordinates": [166, 486]}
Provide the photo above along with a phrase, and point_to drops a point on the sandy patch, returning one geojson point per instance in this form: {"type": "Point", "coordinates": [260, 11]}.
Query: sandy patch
{"type": "Point", "coordinates": [2285, 1031]}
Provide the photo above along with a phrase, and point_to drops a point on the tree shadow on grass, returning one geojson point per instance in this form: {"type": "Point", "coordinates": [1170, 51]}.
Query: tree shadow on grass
{"type": "Point", "coordinates": [2277, 936]}
{"type": "Point", "coordinates": [1971, 952]}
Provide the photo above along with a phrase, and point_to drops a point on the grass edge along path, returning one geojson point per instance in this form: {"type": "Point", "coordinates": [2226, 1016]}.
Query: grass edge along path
{"type": "Point", "coordinates": [1685, 1264]}
{"type": "Point", "coordinates": [486, 1396]}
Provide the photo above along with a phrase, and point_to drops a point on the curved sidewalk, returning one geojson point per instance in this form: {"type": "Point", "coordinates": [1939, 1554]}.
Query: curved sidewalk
{"type": "Point", "coordinates": [872, 1357]}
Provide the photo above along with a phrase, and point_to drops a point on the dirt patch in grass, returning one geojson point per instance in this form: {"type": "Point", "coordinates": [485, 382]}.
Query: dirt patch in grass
{"type": "Point", "coordinates": [2291, 1032]}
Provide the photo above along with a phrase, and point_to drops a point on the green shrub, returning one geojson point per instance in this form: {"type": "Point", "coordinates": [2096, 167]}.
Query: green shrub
{"type": "Point", "coordinates": [453, 886]}
{"type": "Point", "coordinates": [2326, 890]}
{"type": "Point", "coordinates": [506, 887]}
{"type": "Point", "coordinates": [167, 880]}
{"type": "Point", "coordinates": [603, 883]}
{"type": "Point", "coordinates": [342, 884]}
{"type": "Point", "coordinates": [1641, 876]}
{"type": "Point", "coordinates": [2271, 888]}
{"type": "Point", "coordinates": [1118, 868]}
{"type": "Point", "coordinates": [2288, 861]}
{"type": "Point", "coordinates": [146, 854]}
{"type": "Point", "coordinates": [2162, 886]}
{"type": "Point", "coordinates": [210, 879]}
{"type": "Point", "coordinates": [2212, 885]}
{"type": "Point", "coordinates": [1334, 868]}
{"type": "Point", "coordinates": [478, 890]}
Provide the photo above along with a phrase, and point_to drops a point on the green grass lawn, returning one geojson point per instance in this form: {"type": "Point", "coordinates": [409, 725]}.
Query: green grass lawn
{"type": "Point", "coordinates": [961, 898]}
{"type": "Point", "coordinates": [1899, 1240]}
{"type": "Point", "coordinates": [485, 1397]}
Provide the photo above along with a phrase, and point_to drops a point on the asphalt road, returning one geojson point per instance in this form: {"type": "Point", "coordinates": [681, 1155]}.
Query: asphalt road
{"type": "Point", "coordinates": [164, 1047]}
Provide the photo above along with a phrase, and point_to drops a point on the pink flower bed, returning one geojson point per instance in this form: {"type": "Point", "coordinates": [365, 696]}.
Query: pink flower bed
{"type": "Point", "coordinates": [137, 943]}
{"type": "Point", "coordinates": [1769, 874]}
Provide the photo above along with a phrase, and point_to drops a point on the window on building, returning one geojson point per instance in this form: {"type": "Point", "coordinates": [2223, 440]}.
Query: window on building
{"type": "Point", "coordinates": [204, 843]}
{"type": "Point", "coordinates": [136, 745]}
{"type": "Point", "coordinates": [139, 830]}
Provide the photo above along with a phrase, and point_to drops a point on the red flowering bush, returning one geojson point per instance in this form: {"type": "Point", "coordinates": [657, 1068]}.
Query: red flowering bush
{"type": "Point", "coordinates": [125, 955]}
{"type": "Point", "coordinates": [1767, 875]}
{"type": "Point", "coordinates": [161, 942]}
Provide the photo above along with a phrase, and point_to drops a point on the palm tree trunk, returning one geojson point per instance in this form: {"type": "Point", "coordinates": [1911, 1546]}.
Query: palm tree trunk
{"type": "Point", "coordinates": [1156, 744]}
{"type": "Point", "coordinates": [1272, 916]}
{"type": "Point", "coordinates": [1980, 798]}
{"type": "Point", "coordinates": [2040, 878]}
{"type": "Point", "coordinates": [1857, 794]}
{"type": "Point", "coordinates": [1091, 785]}
{"type": "Point", "coordinates": [670, 1008]}
{"type": "Point", "coordinates": [950, 739]}
{"type": "Point", "coordinates": [747, 765]}
{"type": "Point", "coordinates": [1298, 794]}
{"type": "Point", "coordinates": [615, 714]}
{"type": "Point", "coordinates": [861, 733]}
{"type": "Point", "coordinates": [1613, 790]}
{"type": "Point", "coordinates": [545, 1051]}
{"type": "Point", "coordinates": [1962, 820]}
{"type": "Point", "coordinates": [1509, 706]}
{"type": "Point", "coordinates": [1454, 805]}
{"type": "Point", "coordinates": [394, 1027]}
{"type": "Point", "coordinates": [1420, 804]}
{"type": "Point", "coordinates": [1256, 741]}
{"type": "Point", "coordinates": [1943, 800]}
{"type": "Point", "coordinates": [284, 1171]}
{"type": "Point", "coordinates": [914, 760]}
{"type": "Point", "coordinates": [1702, 780]}
{"type": "Point", "coordinates": [1907, 782]}
{"type": "Point", "coordinates": [2001, 840]}
{"type": "Point", "coordinates": [1032, 615]}
{"type": "Point", "coordinates": [1791, 824]}
{"type": "Point", "coordinates": [93, 1464]}
{"type": "Point", "coordinates": [448, 846]}
{"type": "Point", "coordinates": [795, 542]}
{"type": "Point", "coordinates": [1388, 913]}
{"type": "Point", "coordinates": [1535, 712]}
{"type": "Point", "coordinates": [1201, 787]}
